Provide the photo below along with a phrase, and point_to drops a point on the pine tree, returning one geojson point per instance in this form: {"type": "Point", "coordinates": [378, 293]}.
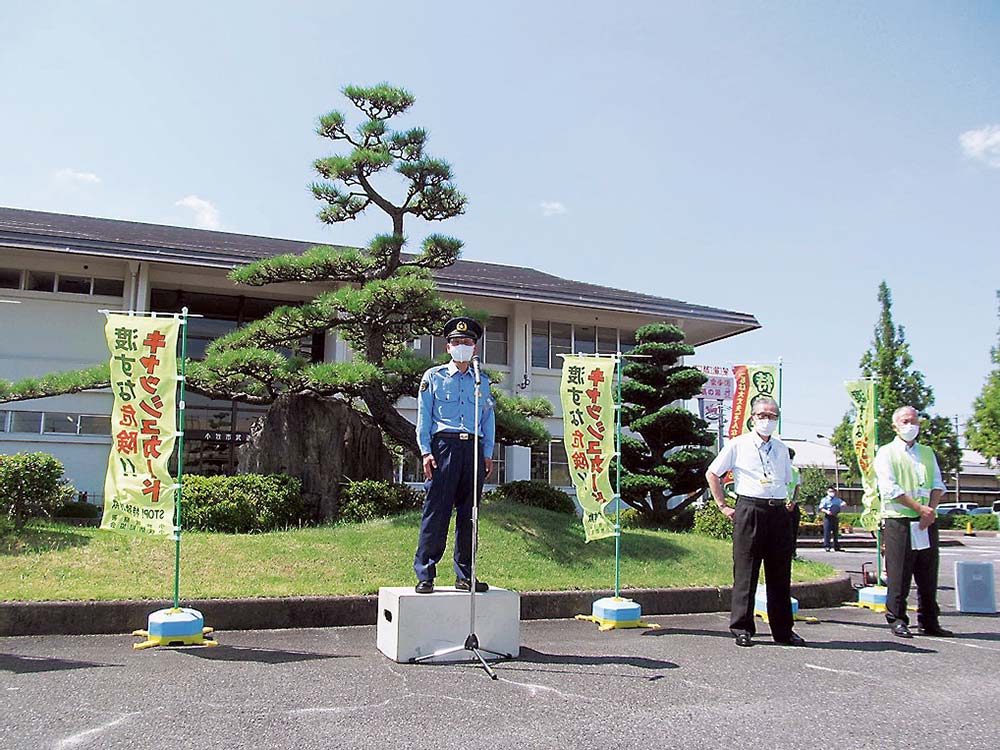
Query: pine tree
{"type": "Point", "coordinates": [889, 361]}
{"type": "Point", "coordinates": [380, 298]}
{"type": "Point", "coordinates": [982, 432]}
{"type": "Point", "coordinates": [666, 455]}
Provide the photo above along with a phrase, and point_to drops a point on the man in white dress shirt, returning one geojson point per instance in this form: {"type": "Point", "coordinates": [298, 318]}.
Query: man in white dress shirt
{"type": "Point", "coordinates": [762, 524]}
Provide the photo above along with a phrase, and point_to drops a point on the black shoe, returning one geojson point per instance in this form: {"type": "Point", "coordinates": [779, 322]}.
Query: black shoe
{"type": "Point", "coordinates": [793, 640]}
{"type": "Point", "coordinates": [900, 629]}
{"type": "Point", "coordinates": [744, 639]}
{"type": "Point", "coordinates": [462, 584]}
{"type": "Point", "coordinates": [937, 630]}
{"type": "Point", "coordinates": [424, 587]}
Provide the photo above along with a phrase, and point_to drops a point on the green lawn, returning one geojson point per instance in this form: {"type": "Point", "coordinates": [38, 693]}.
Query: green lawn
{"type": "Point", "coordinates": [523, 548]}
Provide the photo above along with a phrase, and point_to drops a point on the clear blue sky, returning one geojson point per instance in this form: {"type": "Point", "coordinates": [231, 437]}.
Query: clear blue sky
{"type": "Point", "coordinates": [774, 158]}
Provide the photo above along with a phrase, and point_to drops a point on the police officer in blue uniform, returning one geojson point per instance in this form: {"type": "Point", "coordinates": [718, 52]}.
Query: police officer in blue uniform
{"type": "Point", "coordinates": [446, 419]}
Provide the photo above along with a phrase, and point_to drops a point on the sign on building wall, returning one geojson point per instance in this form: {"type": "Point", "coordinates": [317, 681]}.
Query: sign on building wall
{"type": "Point", "coordinates": [138, 489]}
{"type": "Point", "coordinates": [589, 436]}
{"type": "Point", "coordinates": [720, 384]}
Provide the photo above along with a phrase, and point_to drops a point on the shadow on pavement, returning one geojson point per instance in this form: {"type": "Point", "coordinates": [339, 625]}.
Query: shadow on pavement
{"type": "Point", "coordinates": [871, 646]}
{"type": "Point", "coordinates": [642, 662]}
{"type": "Point", "coordinates": [259, 655]}
{"type": "Point", "coordinates": [29, 664]}
{"type": "Point", "coordinates": [688, 631]}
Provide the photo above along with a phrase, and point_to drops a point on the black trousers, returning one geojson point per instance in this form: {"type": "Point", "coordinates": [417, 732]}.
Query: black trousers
{"type": "Point", "coordinates": [831, 531]}
{"type": "Point", "coordinates": [762, 534]}
{"type": "Point", "coordinates": [903, 565]}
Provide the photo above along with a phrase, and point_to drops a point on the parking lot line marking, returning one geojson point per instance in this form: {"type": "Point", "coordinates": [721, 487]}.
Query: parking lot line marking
{"type": "Point", "coordinates": [836, 671]}
{"type": "Point", "coordinates": [81, 737]}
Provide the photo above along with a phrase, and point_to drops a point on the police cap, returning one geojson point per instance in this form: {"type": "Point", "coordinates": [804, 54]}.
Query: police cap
{"type": "Point", "coordinates": [462, 328]}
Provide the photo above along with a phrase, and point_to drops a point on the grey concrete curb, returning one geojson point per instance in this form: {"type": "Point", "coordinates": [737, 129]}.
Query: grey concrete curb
{"type": "Point", "coordinates": [88, 618]}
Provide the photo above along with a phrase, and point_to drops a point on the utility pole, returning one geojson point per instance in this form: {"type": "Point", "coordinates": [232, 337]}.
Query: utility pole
{"type": "Point", "coordinates": [958, 471]}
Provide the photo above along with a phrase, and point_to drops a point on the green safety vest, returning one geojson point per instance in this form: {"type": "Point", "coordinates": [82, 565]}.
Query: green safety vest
{"type": "Point", "coordinates": [916, 480]}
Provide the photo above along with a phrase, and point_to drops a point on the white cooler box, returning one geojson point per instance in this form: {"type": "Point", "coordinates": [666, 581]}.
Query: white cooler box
{"type": "Point", "coordinates": [412, 624]}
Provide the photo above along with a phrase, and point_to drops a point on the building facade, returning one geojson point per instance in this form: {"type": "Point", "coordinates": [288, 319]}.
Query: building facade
{"type": "Point", "coordinates": [58, 272]}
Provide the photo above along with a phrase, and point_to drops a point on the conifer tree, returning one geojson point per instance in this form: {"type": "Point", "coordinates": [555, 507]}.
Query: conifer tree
{"type": "Point", "coordinates": [982, 431]}
{"type": "Point", "coordinates": [889, 361]}
{"type": "Point", "coordinates": [666, 454]}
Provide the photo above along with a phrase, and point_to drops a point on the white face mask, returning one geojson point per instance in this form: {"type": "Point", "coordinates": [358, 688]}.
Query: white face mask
{"type": "Point", "coordinates": [909, 431]}
{"type": "Point", "coordinates": [461, 352]}
{"type": "Point", "coordinates": [765, 427]}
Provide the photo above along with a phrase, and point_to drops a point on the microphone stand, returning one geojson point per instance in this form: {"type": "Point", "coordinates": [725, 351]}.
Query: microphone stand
{"type": "Point", "coordinates": [472, 640]}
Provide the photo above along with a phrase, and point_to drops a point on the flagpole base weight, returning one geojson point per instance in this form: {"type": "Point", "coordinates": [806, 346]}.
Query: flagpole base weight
{"type": "Point", "coordinates": [760, 607]}
{"type": "Point", "coordinates": [615, 613]}
{"type": "Point", "coordinates": [180, 626]}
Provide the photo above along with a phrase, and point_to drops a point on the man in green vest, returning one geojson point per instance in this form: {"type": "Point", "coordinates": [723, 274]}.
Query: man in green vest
{"type": "Point", "coordinates": [909, 481]}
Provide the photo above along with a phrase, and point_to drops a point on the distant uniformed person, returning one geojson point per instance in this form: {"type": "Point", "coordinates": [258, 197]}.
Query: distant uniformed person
{"type": "Point", "coordinates": [446, 420]}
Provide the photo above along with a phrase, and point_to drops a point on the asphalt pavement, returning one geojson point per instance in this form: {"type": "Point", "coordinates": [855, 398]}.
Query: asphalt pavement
{"type": "Point", "coordinates": [686, 685]}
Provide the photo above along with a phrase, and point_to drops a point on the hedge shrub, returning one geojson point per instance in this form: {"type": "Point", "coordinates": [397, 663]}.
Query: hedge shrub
{"type": "Point", "coordinates": [369, 499]}
{"type": "Point", "coordinates": [709, 521]}
{"type": "Point", "coordinates": [979, 523]}
{"type": "Point", "coordinates": [78, 510]}
{"type": "Point", "coordinates": [241, 504]}
{"type": "Point", "coordinates": [31, 484]}
{"type": "Point", "coordinates": [535, 493]}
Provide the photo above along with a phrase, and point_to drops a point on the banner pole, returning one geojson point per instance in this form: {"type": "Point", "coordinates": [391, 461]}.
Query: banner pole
{"type": "Point", "coordinates": [780, 367]}
{"type": "Point", "coordinates": [618, 477]}
{"type": "Point", "coordinates": [878, 528]}
{"type": "Point", "coordinates": [180, 462]}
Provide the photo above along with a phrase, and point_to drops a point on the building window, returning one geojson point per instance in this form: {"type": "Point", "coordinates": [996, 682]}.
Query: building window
{"type": "Point", "coordinates": [499, 473]}
{"type": "Point", "coordinates": [540, 343]}
{"type": "Point", "coordinates": [44, 281]}
{"type": "Point", "coordinates": [4, 417]}
{"type": "Point", "coordinates": [494, 347]}
{"type": "Point", "coordinates": [94, 425]}
{"type": "Point", "coordinates": [39, 281]}
{"type": "Point", "coordinates": [10, 278]}
{"type": "Point", "coordinates": [59, 422]}
{"type": "Point", "coordinates": [549, 464]}
{"type": "Point", "coordinates": [74, 284]}
{"type": "Point", "coordinates": [550, 339]}
{"type": "Point", "coordinates": [26, 421]}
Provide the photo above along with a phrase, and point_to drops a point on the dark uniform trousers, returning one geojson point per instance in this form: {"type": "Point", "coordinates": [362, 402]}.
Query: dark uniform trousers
{"type": "Point", "coordinates": [903, 564]}
{"type": "Point", "coordinates": [831, 531]}
{"type": "Point", "coordinates": [450, 488]}
{"type": "Point", "coordinates": [762, 533]}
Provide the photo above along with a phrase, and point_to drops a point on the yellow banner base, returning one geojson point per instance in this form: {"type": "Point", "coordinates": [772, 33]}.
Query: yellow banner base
{"type": "Point", "coordinates": [174, 640]}
{"type": "Point", "coordinates": [797, 617]}
{"type": "Point", "coordinates": [605, 625]}
{"type": "Point", "coordinates": [177, 626]}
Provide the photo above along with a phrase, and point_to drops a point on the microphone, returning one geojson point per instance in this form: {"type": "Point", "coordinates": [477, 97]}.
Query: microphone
{"type": "Point", "coordinates": [475, 368]}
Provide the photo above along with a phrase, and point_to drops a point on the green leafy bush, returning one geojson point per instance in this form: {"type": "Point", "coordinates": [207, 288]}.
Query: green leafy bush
{"type": "Point", "coordinates": [78, 510]}
{"type": "Point", "coordinates": [979, 523]}
{"type": "Point", "coordinates": [369, 499]}
{"type": "Point", "coordinates": [241, 504]}
{"type": "Point", "coordinates": [534, 493]}
{"type": "Point", "coordinates": [31, 484]}
{"type": "Point", "coordinates": [709, 521]}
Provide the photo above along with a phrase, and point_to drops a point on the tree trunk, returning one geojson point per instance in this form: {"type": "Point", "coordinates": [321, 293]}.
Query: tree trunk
{"type": "Point", "coordinates": [398, 427]}
{"type": "Point", "coordinates": [323, 442]}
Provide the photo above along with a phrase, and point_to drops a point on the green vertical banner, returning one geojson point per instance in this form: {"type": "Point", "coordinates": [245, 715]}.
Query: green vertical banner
{"type": "Point", "coordinates": [862, 393]}
{"type": "Point", "coordinates": [588, 404]}
{"type": "Point", "coordinates": [752, 382]}
{"type": "Point", "coordinates": [138, 489]}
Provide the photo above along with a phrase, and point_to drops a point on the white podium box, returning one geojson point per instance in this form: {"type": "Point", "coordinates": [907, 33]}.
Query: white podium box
{"type": "Point", "coordinates": [412, 624]}
{"type": "Point", "coordinates": [974, 588]}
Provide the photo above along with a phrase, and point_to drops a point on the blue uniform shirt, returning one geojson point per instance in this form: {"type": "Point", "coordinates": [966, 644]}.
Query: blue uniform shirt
{"type": "Point", "coordinates": [833, 504]}
{"type": "Point", "coordinates": [447, 403]}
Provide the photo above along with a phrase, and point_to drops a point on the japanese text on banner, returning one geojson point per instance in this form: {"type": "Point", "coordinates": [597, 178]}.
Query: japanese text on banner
{"type": "Point", "coordinates": [862, 393]}
{"type": "Point", "coordinates": [138, 490]}
{"type": "Point", "coordinates": [589, 435]}
{"type": "Point", "coordinates": [752, 382]}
